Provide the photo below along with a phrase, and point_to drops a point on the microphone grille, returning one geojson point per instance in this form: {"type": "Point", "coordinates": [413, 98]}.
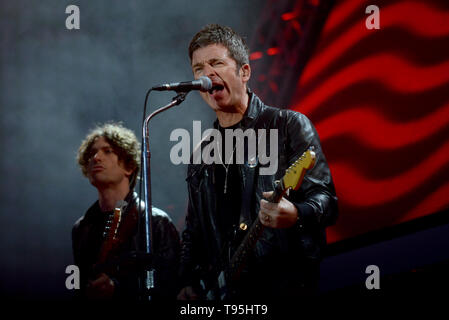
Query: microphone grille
{"type": "Point", "coordinates": [206, 83]}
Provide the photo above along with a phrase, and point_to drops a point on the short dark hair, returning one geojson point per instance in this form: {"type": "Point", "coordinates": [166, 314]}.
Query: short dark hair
{"type": "Point", "coordinates": [217, 34]}
{"type": "Point", "coordinates": [122, 140]}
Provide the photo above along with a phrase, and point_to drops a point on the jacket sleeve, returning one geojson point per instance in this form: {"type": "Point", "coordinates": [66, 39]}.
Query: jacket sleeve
{"type": "Point", "coordinates": [316, 199]}
{"type": "Point", "coordinates": [78, 238]}
{"type": "Point", "coordinates": [167, 248]}
{"type": "Point", "coordinates": [76, 244]}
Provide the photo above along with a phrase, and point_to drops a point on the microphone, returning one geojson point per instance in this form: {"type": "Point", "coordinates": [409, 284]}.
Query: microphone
{"type": "Point", "coordinates": [203, 84]}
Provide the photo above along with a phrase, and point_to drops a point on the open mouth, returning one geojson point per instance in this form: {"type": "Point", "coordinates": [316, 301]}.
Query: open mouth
{"type": "Point", "coordinates": [216, 88]}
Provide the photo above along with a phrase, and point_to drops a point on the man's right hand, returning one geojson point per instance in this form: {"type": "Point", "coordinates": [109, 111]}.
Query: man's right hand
{"type": "Point", "coordinates": [187, 293]}
{"type": "Point", "coordinates": [101, 288]}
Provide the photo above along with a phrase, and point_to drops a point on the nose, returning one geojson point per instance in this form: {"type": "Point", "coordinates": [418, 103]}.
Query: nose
{"type": "Point", "coordinates": [208, 70]}
{"type": "Point", "coordinates": [97, 157]}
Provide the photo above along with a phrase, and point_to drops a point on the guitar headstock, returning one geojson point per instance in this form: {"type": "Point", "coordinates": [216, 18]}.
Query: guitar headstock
{"type": "Point", "coordinates": [295, 173]}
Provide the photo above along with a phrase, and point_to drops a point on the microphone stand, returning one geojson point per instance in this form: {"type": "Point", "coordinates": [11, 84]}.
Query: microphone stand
{"type": "Point", "coordinates": [148, 277]}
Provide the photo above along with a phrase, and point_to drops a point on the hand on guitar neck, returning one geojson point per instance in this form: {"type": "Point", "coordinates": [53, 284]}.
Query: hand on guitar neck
{"type": "Point", "coordinates": [278, 212]}
{"type": "Point", "coordinates": [277, 215]}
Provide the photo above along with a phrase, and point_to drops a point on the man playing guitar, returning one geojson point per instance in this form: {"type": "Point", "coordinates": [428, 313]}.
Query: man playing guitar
{"type": "Point", "coordinates": [105, 245]}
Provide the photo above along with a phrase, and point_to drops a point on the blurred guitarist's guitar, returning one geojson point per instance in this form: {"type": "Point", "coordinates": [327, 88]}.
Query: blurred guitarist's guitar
{"type": "Point", "coordinates": [110, 233]}
{"type": "Point", "coordinates": [119, 229]}
{"type": "Point", "coordinates": [221, 288]}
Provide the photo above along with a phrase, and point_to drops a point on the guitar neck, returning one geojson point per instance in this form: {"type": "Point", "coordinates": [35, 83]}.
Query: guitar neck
{"type": "Point", "coordinates": [238, 259]}
{"type": "Point", "coordinates": [249, 242]}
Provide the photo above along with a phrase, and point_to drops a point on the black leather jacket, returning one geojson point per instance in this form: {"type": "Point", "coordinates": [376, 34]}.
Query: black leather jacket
{"type": "Point", "coordinates": [288, 258]}
{"type": "Point", "coordinates": [87, 240]}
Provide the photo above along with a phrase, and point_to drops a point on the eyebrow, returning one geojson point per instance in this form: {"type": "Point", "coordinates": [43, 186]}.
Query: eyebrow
{"type": "Point", "coordinates": [198, 64]}
{"type": "Point", "coordinates": [210, 61]}
{"type": "Point", "coordinates": [93, 149]}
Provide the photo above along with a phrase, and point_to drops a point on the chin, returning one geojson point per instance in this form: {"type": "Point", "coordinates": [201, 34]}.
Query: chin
{"type": "Point", "coordinates": [96, 181]}
{"type": "Point", "coordinates": [222, 105]}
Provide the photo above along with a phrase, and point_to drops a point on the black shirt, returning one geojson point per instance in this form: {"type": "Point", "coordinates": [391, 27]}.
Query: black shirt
{"type": "Point", "coordinates": [228, 189]}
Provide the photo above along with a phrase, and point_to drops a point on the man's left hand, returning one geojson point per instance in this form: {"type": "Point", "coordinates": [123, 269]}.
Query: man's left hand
{"type": "Point", "coordinates": [277, 215]}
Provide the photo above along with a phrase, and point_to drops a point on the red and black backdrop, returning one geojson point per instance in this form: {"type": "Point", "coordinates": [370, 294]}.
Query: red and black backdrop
{"type": "Point", "coordinates": [379, 99]}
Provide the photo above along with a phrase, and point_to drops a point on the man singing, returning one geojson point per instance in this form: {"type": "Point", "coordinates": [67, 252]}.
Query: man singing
{"type": "Point", "coordinates": [222, 195]}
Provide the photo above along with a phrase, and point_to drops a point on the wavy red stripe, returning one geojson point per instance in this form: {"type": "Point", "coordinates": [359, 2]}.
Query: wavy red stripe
{"type": "Point", "coordinates": [340, 14]}
{"type": "Point", "coordinates": [372, 129]}
{"type": "Point", "coordinates": [369, 193]}
{"type": "Point", "coordinates": [405, 78]}
{"type": "Point", "coordinates": [433, 203]}
{"type": "Point", "coordinates": [432, 23]}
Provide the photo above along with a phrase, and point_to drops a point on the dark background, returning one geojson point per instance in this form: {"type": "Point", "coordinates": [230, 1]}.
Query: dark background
{"type": "Point", "coordinates": [56, 84]}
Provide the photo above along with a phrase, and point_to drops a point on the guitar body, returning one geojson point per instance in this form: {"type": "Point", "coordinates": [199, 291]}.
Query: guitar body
{"type": "Point", "coordinates": [219, 286]}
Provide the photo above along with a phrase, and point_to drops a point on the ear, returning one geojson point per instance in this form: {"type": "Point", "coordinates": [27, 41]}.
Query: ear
{"type": "Point", "coordinates": [129, 172]}
{"type": "Point", "coordinates": [245, 72]}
